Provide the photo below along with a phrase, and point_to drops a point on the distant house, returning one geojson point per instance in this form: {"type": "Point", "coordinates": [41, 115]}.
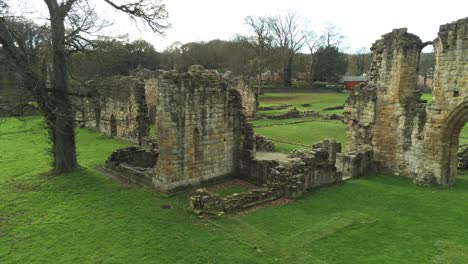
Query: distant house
{"type": "Point", "coordinates": [349, 82]}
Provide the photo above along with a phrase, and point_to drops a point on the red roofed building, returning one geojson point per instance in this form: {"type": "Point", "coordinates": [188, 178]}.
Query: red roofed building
{"type": "Point", "coordinates": [349, 82]}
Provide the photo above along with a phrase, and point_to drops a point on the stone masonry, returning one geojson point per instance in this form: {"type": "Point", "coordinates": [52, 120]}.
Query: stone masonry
{"type": "Point", "coordinates": [407, 135]}
{"type": "Point", "coordinates": [201, 131]}
{"type": "Point", "coordinates": [303, 171]}
{"type": "Point", "coordinates": [117, 108]}
{"type": "Point", "coordinates": [249, 95]}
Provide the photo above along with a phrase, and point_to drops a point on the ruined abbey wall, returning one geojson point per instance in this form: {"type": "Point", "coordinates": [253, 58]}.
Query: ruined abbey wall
{"type": "Point", "coordinates": [201, 130]}
{"type": "Point", "coordinates": [249, 95]}
{"type": "Point", "coordinates": [408, 136]}
{"type": "Point", "coordinates": [117, 108]}
{"type": "Point", "coordinates": [448, 112]}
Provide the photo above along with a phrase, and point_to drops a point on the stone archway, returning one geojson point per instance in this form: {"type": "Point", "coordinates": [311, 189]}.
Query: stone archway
{"type": "Point", "coordinates": [450, 141]}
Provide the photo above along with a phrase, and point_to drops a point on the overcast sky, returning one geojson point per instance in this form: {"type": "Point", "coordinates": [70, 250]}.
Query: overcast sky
{"type": "Point", "coordinates": [361, 21]}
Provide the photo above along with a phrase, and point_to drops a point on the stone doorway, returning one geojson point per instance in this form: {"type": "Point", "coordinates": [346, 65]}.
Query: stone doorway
{"type": "Point", "coordinates": [450, 142]}
{"type": "Point", "coordinates": [113, 126]}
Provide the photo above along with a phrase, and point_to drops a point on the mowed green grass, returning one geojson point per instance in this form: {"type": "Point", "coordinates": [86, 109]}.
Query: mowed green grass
{"type": "Point", "coordinates": [288, 137]}
{"type": "Point", "coordinates": [299, 133]}
{"type": "Point", "coordinates": [317, 101]}
{"type": "Point", "coordinates": [85, 217]}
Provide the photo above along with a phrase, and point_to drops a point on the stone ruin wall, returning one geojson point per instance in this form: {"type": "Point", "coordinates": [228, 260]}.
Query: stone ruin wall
{"type": "Point", "coordinates": [117, 108]}
{"type": "Point", "coordinates": [137, 95]}
{"type": "Point", "coordinates": [201, 131]}
{"type": "Point", "coordinates": [303, 171]}
{"type": "Point", "coordinates": [448, 112]}
{"type": "Point", "coordinates": [249, 95]}
{"type": "Point", "coordinates": [408, 136]}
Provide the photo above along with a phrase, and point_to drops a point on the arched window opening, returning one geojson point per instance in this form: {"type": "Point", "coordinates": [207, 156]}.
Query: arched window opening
{"type": "Point", "coordinates": [462, 154]}
{"type": "Point", "coordinates": [113, 126]}
{"type": "Point", "coordinates": [426, 72]}
{"type": "Point", "coordinates": [455, 139]}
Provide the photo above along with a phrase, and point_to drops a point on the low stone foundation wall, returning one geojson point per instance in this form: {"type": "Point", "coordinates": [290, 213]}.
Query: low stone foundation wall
{"type": "Point", "coordinates": [354, 164]}
{"type": "Point", "coordinates": [304, 170]}
{"type": "Point", "coordinates": [294, 113]}
{"type": "Point", "coordinates": [274, 107]}
{"type": "Point", "coordinates": [264, 144]}
{"type": "Point", "coordinates": [133, 165]}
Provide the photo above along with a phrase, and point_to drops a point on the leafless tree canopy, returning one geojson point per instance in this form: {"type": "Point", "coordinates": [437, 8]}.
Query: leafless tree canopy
{"type": "Point", "coordinates": [152, 12]}
{"type": "Point", "coordinates": [289, 31]}
{"type": "Point", "coordinates": [72, 22]}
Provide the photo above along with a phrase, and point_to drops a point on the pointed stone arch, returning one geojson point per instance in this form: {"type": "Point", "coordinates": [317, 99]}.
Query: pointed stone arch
{"type": "Point", "coordinates": [450, 142]}
{"type": "Point", "coordinates": [113, 126]}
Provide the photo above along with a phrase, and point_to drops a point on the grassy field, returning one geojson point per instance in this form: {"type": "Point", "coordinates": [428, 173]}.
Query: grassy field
{"type": "Point", "coordinates": [300, 133]}
{"type": "Point", "coordinates": [85, 217]}
{"type": "Point", "coordinates": [289, 136]}
{"type": "Point", "coordinates": [317, 101]}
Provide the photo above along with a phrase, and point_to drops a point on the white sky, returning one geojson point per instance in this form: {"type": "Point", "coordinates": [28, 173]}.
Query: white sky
{"type": "Point", "coordinates": [361, 21]}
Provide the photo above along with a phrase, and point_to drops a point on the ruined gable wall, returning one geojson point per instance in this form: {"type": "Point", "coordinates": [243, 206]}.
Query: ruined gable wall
{"type": "Point", "coordinates": [381, 115]}
{"type": "Point", "coordinates": [249, 95]}
{"type": "Point", "coordinates": [151, 89]}
{"type": "Point", "coordinates": [199, 126]}
{"type": "Point", "coordinates": [397, 97]}
{"type": "Point", "coordinates": [449, 110]}
{"type": "Point", "coordinates": [117, 108]}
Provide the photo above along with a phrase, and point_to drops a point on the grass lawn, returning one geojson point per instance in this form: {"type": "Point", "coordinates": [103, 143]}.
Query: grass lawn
{"type": "Point", "coordinates": [317, 101]}
{"type": "Point", "coordinates": [85, 217]}
{"type": "Point", "coordinates": [290, 134]}
{"type": "Point", "coordinates": [300, 133]}
{"type": "Point", "coordinates": [288, 137]}
{"type": "Point", "coordinates": [464, 135]}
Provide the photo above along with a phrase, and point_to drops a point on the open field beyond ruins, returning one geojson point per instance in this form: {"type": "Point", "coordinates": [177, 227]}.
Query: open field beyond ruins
{"type": "Point", "coordinates": [297, 133]}
{"type": "Point", "coordinates": [89, 218]}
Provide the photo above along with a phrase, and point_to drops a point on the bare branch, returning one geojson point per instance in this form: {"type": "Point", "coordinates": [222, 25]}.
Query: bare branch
{"type": "Point", "coordinates": [152, 12]}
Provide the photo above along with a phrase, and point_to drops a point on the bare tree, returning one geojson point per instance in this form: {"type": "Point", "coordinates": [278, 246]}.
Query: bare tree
{"type": "Point", "coordinates": [55, 103]}
{"type": "Point", "coordinates": [289, 35]}
{"type": "Point", "coordinates": [331, 37]}
{"type": "Point", "coordinates": [261, 43]}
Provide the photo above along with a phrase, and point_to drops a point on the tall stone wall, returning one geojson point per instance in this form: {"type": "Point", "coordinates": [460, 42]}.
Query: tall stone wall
{"type": "Point", "coordinates": [117, 108]}
{"type": "Point", "coordinates": [408, 136]}
{"type": "Point", "coordinates": [448, 112]}
{"type": "Point", "coordinates": [200, 129]}
{"type": "Point", "coordinates": [381, 114]}
{"type": "Point", "coordinates": [249, 95]}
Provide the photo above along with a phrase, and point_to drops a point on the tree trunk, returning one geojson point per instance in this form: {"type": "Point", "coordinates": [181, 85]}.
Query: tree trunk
{"type": "Point", "coordinates": [314, 59]}
{"type": "Point", "coordinates": [260, 84]}
{"type": "Point", "coordinates": [64, 149]}
{"type": "Point", "coordinates": [287, 73]}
